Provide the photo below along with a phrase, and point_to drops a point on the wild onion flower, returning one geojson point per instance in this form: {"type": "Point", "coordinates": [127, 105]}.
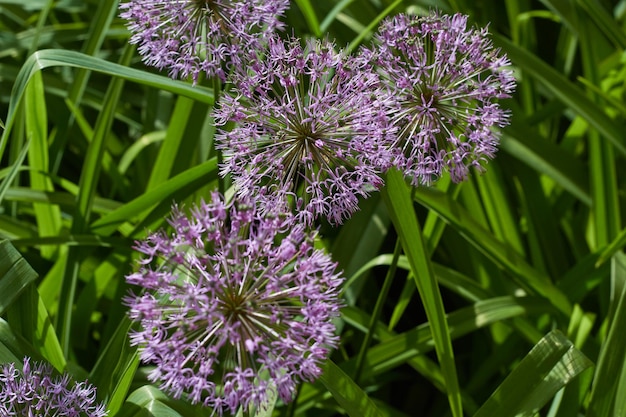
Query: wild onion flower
{"type": "Point", "coordinates": [36, 391]}
{"type": "Point", "coordinates": [237, 306]}
{"type": "Point", "coordinates": [191, 37]}
{"type": "Point", "coordinates": [446, 79]}
{"type": "Point", "coordinates": [309, 124]}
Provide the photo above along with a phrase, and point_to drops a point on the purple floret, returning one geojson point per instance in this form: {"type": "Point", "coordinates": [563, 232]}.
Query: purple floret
{"type": "Point", "coordinates": [445, 79]}
{"type": "Point", "coordinates": [310, 125]}
{"type": "Point", "coordinates": [193, 37]}
{"type": "Point", "coordinates": [36, 391]}
{"type": "Point", "coordinates": [237, 305]}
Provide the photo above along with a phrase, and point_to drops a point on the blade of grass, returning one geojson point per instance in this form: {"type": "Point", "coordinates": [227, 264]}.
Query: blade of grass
{"type": "Point", "coordinates": [311, 18]}
{"type": "Point", "coordinates": [48, 216]}
{"type": "Point", "coordinates": [565, 91]}
{"type": "Point", "coordinates": [551, 364]}
{"type": "Point", "coordinates": [501, 253]}
{"type": "Point", "coordinates": [396, 195]}
{"type": "Point", "coordinates": [64, 58]}
{"type": "Point", "coordinates": [84, 201]}
{"type": "Point", "coordinates": [348, 394]}
{"type": "Point", "coordinates": [610, 371]}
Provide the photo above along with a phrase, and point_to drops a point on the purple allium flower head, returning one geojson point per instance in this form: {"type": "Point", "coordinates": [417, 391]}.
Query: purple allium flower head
{"type": "Point", "coordinates": [237, 305]}
{"type": "Point", "coordinates": [446, 79]}
{"type": "Point", "coordinates": [190, 37]}
{"type": "Point", "coordinates": [36, 391]}
{"type": "Point", "coordinates": [309, 124]}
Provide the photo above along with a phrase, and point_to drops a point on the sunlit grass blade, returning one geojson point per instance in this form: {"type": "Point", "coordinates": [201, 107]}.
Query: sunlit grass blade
{"type": "Point", "coordinates": [500, 252]}
{"type": "Point", "coordinates": [309, 15]}
{"type": "Point", "coordinates": [88, 183]}
{"type": "Point", "coordinates": [400, 205]}
{"type": "Point", "coordinates": [618, 243]}
{"type": "Point", "coordinates": [550, 365]}
{"type": "Point", "coordinates": [545, 157]}
{"type": "Point", "coordinates": [565, 91]}
{"type": "Point", "coordinates": [397, 349]}
{"type": "Point", "coordinates": [64, 58]}
{"type": "Point", "coordinates": [195, 177]}
{"type": "Point", "coordinates": [36, 117]}
{"type": "Point", "coordinates": [172, 143]}
{"type": "Point", "coordinates": [29, 318]}
{"type": "Point", "coordinates": [348, 394]}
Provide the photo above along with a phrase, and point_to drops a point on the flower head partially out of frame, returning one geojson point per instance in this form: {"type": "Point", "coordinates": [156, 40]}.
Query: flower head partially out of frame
{"type": "Point", "coordinates": [310, 124]}
{"type": "Point", "coordinates": [36, 391]}
{"type": "Point", "coordinates": [446, 79]}
{"type": "Point", "coordinates": [191, 37]}
{"type": "Point", "coordinates": [237, 306]}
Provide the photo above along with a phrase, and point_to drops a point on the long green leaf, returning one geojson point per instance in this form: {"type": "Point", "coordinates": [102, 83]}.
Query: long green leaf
{"type": "Point", "coordinates": [551, 364]}
{"type": "Point", "coordinates": [15, 274]}
{"type": "Point", "coordinates": [397, 197]}
{"type": "Point", "coordinates": [55, 57]}
{"type": "Point", "coordinates": [350, 397]}
{"type": "Point", "coordinates": [565, 91]}
{"type": "Point", "coordinates": [500, 252]}
{"type": "Point", "coordinates": [48, 216]}
{"type": "Point", "coordinates": [606, 399]}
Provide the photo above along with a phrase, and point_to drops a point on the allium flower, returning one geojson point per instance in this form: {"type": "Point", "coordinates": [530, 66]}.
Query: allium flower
{"type": "Point", "coordinates": [35, 391]}
{"type": "Point", "coordinates": [190, 37]}
{"type": "Point", "coordinates": [238, 305]}
{"type": "Point", "coordinates": [445, 79]}
{"type": "Point", "coordinates": [309, 124]}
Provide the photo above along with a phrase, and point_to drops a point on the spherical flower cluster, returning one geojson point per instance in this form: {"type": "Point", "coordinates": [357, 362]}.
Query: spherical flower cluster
{"type": "Point", "coordinates": [35, 391]}
{"type": "Point", "coordinates": [309, 124]}
{"type": "Point", "coordinates": [236, 305]}
{"type": "Point", "coordinates": [191, 37]}
{"type": "Point", "coordinates": [445, 79]}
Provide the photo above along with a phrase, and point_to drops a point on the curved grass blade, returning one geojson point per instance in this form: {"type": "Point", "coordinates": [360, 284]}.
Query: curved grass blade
{"type": "Point", "coordinates": [15, 168]}
{"type": "Point", "coordinates": [551, 364]}
{"type": "Point", "coordinates": [115, 368]}
{"type": "Point", "coordinates": [15, 274]}
{"type": "Point", "coordinates": [55, 57]}
{"type": "Point", "coordinates": [498, 251]}
{"type": "Point", "coordinates": [397, 197]}
{"type": "Point", "coordinates": [397, 349]}
{"type": "Point", "coordinates": [348, 394]}
{"type": "Point", "coordinates": [565, 91]}
{"type": "Point", "coordinates": [48, 216]}
{"type": "Point", "coordinates": [199, 175]}
{"type": "Point", "coordinates": [606, 399]}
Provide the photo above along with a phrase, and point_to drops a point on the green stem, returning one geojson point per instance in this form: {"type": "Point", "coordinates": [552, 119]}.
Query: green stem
{"type": "Point", "coordinates": [378, 308]}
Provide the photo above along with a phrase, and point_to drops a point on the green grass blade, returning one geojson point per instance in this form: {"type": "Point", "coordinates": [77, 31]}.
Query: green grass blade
{"type": "Point", "coordinates": [15, 274]}
{"type": "Point", "coordinates": [89, 178]}
{"type": "Point", "coordinates": [29, 318]}
{"type": "Point", "coordinates": [311, 18]}
{"type": "Point", "coordinates": [48, 216]}
{"type": "Point", "coordinates": [347, 393]}
{"type": "Point", "coordinates": [397, 197]}
{"type": "Point", "coordinates": [551, 364]}
{"type": "Point", "coordinates": [15, 168]}
{"type": "Point", "coordinates": [55, 58]}
{"type": "Point", "coordinates": [565, 91]}
{"type": "Point", "coordinates": [115, 368]}
{"type": "Point", "coordinates": [498, 251]}
{"type": "Point", "coordinates": [610, 371]}
{"type": "Point", "coordinates": [169, 148]}
{"type": "Point", "coordinates": [194, 177]}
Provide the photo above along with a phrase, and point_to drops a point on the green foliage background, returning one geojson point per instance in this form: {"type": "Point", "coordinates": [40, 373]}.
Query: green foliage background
{"type": "Point", "coordinates": [526, 260]}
